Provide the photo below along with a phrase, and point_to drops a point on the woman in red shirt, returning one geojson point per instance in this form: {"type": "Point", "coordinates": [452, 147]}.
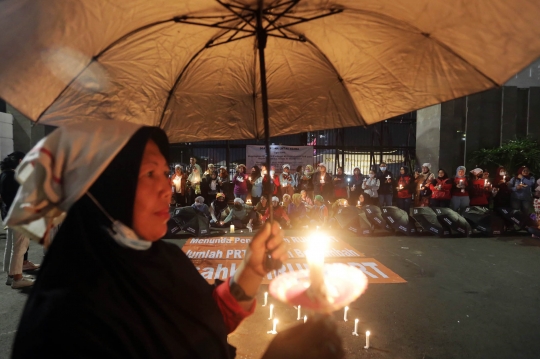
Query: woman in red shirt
{"type": "Point", "coordinates": [405, 188]}
{"type": "Point", "coordinates": [480, 188]}
{"type": "Point", "coordinates": [441, 188]}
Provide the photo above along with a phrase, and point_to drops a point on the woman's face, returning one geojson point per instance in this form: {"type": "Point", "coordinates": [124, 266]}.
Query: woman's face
{"type": "Point", "coordinates": [151, 209]}
{"type": "Point", "coordinates": [402, 170]}
{"type": "Point", "coordinates": [361, 198]}
{"type": "Point", "coordinates": [461, 173]}
{"type": "Point", "coordinates": [356, 171]}
{"type": "Point", "coordinates": [441, 173]}
{"type": "Point", "coordinates": [339, 171]}
{"type": "Point", "coordinates": [263, 201]}
{"type": "Point", "coordinates": [240, 169]}
{"type": "Point", "coordinates": [525, 172]}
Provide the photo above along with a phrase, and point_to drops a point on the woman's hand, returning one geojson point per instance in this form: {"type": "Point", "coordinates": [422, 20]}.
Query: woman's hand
{"type": "Point", "coordinates": [316, 339]}
{"type": "Point", "coordinates": [251, 271]}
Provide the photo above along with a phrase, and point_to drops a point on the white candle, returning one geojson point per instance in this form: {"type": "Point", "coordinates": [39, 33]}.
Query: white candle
{"type": "Point", "coordinates": [315, 259]}
{"type": "Point", "coordinates": [358, 203]}
{"type": "Point", "coordinates": [367, 340]}
{"type": "Point", "coordinates": [504, 178]}
{"type": "Point", "coordinates": [271, 312]}
{"type": "Point", "coordinates": [274, 327]}
{"type": "Point", "coordinates": [265, 299]}
{"type": "Point", "coordinates": [355, 327]}
{"type": "Point", "coordinates": [231, 230]}
{"type": "Point", "coordinates": [345, 314]}
{"type": "Point", "coordinates": [305, 318]}
{"type": "Point", "coordinates": [485, 182]}
{"type": "Point", "coordinates": [299, 311]}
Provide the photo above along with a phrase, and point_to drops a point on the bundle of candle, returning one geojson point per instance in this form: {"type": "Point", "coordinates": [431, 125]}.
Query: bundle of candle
{"type": "Point", "coordinates": [324, 287]}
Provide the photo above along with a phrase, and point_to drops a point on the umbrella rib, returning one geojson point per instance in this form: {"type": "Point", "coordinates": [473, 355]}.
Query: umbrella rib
{"type": "Point", "coordinates": [178, 78]}
{"type": "Point", "coordinates": [333, 68]}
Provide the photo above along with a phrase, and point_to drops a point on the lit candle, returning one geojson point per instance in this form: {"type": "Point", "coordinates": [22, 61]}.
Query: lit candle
{"type": "Point", "coordinates": [355, 327]}
{"type": "Point", "coordinates": [400, 186]}
{"type": "Point", "coordinates": [274, 327]}
{"type": "Point", "coordinates": [358, 203]}
{"type": "Point", "coordinates": [305, 318]}
{"type": "Point", "coordinates": [231, 230]}
{"type": "Point", "coordinates": [299, 311]}
{"type": "Point", "coordinates": [504, 178]}
{"type": "Point", "coordinates": [265, 299]}
{"type": "Point", "coordinates": [249, 178]}
{"type": "Point", "coordinates": [271, 312]}
{"type": "Point", "coordinates": [315, 259]}
{"type": "Point", "coordinates": [367, 340]}
{"type": "Point", "coordinates": [485, 182]}
{"type": "Point", "coordinates": [345, 314]}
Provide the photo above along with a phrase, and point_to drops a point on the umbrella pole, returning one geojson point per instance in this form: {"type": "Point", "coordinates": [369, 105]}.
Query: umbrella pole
{"type": "Point", "coordinates": [262, 36]}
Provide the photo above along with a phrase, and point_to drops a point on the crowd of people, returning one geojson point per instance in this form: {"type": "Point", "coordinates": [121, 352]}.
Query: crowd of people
{"type": "Point", "coordinates": [306, 196]}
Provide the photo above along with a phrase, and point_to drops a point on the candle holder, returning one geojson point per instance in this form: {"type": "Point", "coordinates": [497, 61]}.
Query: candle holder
{"type": "Point", "coordinates": [343, 284]}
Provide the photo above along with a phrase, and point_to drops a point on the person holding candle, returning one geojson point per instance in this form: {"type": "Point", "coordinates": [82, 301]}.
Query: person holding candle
{"type": "Point", "coordinates": [386, 188]}
{"type": "Point", "coordinates": [306, 182]}
{"type": "Point", "coordinates": [286, 180]}
{"type": "Point", "coordinates": [271, 185]}
{"type": "Point", "coordinates": [340, 184]}
{"type": "Point", "coordinates": [135, 296]}
{"type": "Point", "coordinates": [363, 200]}
{"type": "Point", "coordinates": [255, 185]}
{"type": "Point", "coordinates": [201, 207]}
{"type": "Point", "coordinates": [179, 179]}
{"type": "Point", "coordinates": [441, 188]}
{"type": "Point", "coordinates": [322, 183]}
{"type": "Point", "coordinates": [210, 186]}
{"type": "Point", "coordinates": [422, 180]}
{"type": "Point", "coordinates": [355, 184]}
{"type": "Point", "coordinates": [241, 215]}
{"type": "Point", "coordinates": [240, 181]}
{"type": "Point", "coordinates": [479, 189]}
{"type": "Point", "coordinates": [501, 192]}
{"type": "Point", "coordinates": [460, 194]}
{"type": "Point", "coordinates": [521, 187]}
{"type": "Point", "coordinates": [297, 175]}
{"type": "Point", "coordinates": [405, 189]}
{"type": "Point", "coordinates": [261, 208]}
{"type": "Point", "coordinates": [308, 202]}
{"type": "Point", "coordinates": [225, 182]}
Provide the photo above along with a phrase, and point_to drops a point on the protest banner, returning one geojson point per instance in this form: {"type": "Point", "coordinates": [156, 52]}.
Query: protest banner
{"type": "Point", "coordinates": [292, 155]}
{"type": "Point", "coordinates": [219, 257]}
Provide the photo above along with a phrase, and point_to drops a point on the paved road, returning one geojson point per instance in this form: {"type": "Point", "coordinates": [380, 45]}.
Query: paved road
{"type": "Point", "coordinates": [464, 298]}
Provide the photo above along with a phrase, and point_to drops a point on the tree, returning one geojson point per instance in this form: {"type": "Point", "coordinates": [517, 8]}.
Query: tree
{"type": "Point", "coordinates": [512, 155]}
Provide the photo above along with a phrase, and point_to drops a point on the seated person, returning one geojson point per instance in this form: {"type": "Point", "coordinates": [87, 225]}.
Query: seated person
{"type": "Point", "coordinates": [280, 215]}
{"type": "Point", "coordinates": [308, 202]}
{"type": "Point", "coordinates": [297, 212]}
{"type": "Point", "coordinates": [241, 215]}
{"type": "Point", "coordinates": [200, 206]}
{"type": "Point", "coordinates": [219, 209]}
{"type": "Point", "coordinates": [340, 203]}
{"type": "Point", "coordinates": [286, 202]}
{"type": "Point", "coordinates": [319, 213]}
{"type": "Point", "coordinates": [261, 208]}
{"type": "Point", "coordinates": [363, 200]}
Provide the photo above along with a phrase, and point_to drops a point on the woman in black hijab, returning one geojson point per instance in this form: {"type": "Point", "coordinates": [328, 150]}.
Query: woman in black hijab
{"type": "Point", "coordinates": [135, 298]}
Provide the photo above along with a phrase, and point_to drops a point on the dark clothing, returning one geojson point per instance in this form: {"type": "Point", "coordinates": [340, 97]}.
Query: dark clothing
{"type": "Point", "coordinates": [8, 190]}
{"type": "Point", "coordinates": [340, 186]}
{"type": "Point", "coordinates": [120, 302]}
{"type": "Point", "coordinates": [325, 189]}
{"type": "Point", "coordinates": [356, 181]}
{"type": "Point", "coordinates": [385, 187]}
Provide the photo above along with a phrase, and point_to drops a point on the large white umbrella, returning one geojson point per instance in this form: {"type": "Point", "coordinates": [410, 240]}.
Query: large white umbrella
{"type": "Point", "coordinates": [193, 67]}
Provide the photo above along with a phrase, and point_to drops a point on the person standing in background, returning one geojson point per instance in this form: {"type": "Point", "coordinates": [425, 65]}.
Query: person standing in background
{"type": "Point", "coordinates": [386, 189]}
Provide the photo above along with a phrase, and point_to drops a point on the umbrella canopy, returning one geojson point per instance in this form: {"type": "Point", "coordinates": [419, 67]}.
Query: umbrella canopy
{"type": "Point", "coordinates": [354, 220]}
{"type": "Point", "coordinates": [427, 218]}
{"type": "Point", "coordinates": [446, 216]}
{"type": "Point", "coordinates": [374, 216]}
{"type": "Point", "coordinates": [193, 67]}
{"type": "Point", "coordinates": [484, 220]}
{"type": "Point", "coordinates": [399, 220]}
{"type": "Point", "coordinates": [192, 221]}
{"type": "Point", "coordinates": [514, 217]}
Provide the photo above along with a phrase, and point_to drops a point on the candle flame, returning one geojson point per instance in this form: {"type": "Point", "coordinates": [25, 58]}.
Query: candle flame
{"type": "Point", "coordinates": [356, 320]}
{"type": "Point", "coordinates": [317, 247]}
{"type": "Point", "coordinates": [368, 333]}
{"type": "Point", "coordinates": [275, 321]}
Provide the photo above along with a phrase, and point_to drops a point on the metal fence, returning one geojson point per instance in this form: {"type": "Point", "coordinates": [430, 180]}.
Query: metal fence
{"type": "Point", "coordinates": [392, 141]}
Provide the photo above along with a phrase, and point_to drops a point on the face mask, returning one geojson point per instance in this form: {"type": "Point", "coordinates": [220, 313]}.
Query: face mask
{"type": "Point", "coordinates": [383, 169]}
{"type": "Point", "coordinates": [371, 175]}
{"type": "Point", "coordinates": [237, 206]}
{"type": "Point", "coordinates": [272, 173]}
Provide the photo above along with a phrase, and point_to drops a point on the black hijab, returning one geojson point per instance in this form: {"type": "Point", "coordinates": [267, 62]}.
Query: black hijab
{"type": "Point", "coordinates": [93, 298]}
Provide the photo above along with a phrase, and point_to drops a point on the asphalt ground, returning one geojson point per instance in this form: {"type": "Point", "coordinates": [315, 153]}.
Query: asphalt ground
{"type": "Point", "coordinates": [464, 298]}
